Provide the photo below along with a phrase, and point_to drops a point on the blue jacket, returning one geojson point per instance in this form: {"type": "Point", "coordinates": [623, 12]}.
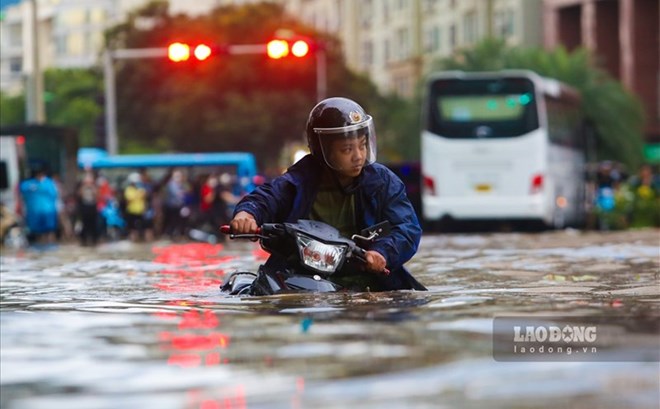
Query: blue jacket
{"type": "Point", "coordinates": [380, 195]}
{"type": "Point", "coordinates": [40, 197]}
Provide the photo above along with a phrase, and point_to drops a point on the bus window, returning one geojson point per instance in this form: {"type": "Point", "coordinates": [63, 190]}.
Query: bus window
{"type": "Point", "coordinates": [482, 108]}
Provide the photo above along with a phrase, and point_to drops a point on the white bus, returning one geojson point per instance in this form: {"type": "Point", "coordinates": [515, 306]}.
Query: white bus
{"type": "Point", "coordinates": [503, 146]}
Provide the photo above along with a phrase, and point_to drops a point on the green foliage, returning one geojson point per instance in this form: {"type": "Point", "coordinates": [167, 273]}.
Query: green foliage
{"type": "Point", "coordinates": [74, 100]}
{"type": "Point", "coordinates": [228, 102]}
{"type": "Point", "coordinates": [616, 114]}
{"type": "Point", "coordinates": [12, 109]}
{"type": "Point", "coordinates": [398, 129]}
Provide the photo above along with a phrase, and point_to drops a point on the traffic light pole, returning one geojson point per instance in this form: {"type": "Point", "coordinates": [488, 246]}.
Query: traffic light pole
{"type": "Point", "coordinates": [109, 57]}
{"type": "Point", "coordinates": [321, 75]}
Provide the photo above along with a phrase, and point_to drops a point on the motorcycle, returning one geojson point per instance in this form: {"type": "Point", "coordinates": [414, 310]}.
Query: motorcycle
{"type": "Point", "coordinates": [311, 257]}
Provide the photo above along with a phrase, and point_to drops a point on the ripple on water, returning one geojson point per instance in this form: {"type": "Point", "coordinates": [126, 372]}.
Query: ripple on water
{"type": "Point", "coordinates": [452, 302]}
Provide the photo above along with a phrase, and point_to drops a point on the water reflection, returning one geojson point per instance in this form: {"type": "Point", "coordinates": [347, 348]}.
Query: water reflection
{"type": "Point", "coordinates": [139, 326]}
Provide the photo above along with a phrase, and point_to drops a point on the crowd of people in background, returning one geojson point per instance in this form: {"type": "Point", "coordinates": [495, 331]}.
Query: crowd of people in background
{"type": "Point", "coordinates": [623, 201]}
{"type": "Point", "coordinates": [135, 207]}
{"type": "Point", "coordinates": [176, 205]}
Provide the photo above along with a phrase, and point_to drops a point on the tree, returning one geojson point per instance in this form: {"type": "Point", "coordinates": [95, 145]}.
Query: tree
{"type": "Point", "coordinates": [73, 100]}
{"type": "Point", "coordinates": [616, 114]}
{"type": "Point", "coordinates": [227, 102]}
{"type": "Point", "coordinates": [70, 101]}
{"type": "Point", "coordinates": [12, 109]}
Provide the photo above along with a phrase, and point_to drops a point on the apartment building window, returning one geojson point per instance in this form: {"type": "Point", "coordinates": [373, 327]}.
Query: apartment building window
{"type": "Point", "coordinates": [366, 13]}
{"type": "Point", "coordinates": [97, 41]}
{"type": "Point", "coordinates": [14, 34]}
{"type": "Point", "coordinates": [504, 23]}
{"type": "Point", "coordinates": [367, 55]}
{"type": "Point", "coordinates": [386, 11]}
{"type": "Point", "coordinates": [432, 40]}
{"type": "Point", "coordinates": [60, 44]}
{"type": "Point", "coordinates": [402, 44]}
{"type": "Point", "coordinates": [470, 28]}
{"type": "Point", "coordinates": [388, 51]}
{"type": "Point", "coordinates": [429, 5]}
{"type": "Point", "coordinates": [75, 44]}
{"type": "Point", "coordinates": [96, 16]}
{"type": "Point", "coordinates": [15, 65]}
{"type": "Point", "coordinates": [452, 37]}
{"type": "Point", "coordinates": [72, 18]}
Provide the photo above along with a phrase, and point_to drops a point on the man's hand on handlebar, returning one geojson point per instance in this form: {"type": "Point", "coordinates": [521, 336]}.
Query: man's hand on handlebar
{"type": "Point", "coordinates": [376, 263]}
{"type": "Point", "coordinates": [243, 223]}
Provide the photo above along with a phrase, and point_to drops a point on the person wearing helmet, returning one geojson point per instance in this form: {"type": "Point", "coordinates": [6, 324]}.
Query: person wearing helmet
{"type": "Point", "coordinates": [340, 183]}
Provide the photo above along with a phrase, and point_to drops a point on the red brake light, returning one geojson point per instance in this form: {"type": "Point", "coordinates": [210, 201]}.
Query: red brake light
{"type": "Point", "coordinates": [429, 185]}
{"type": "Point", "coordinates": [537, 183]}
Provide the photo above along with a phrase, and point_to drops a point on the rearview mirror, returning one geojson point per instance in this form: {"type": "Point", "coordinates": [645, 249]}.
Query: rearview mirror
{"type": "Point", "coordinates": [380, 229]}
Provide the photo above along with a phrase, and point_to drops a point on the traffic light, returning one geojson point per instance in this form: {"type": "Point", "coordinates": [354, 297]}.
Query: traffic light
{"type": "Point", "coordinates": [178, 52]}
{"type": "Point", "coordinates": [277, 49]}
{"type": "Point", "coordinates": [300, 48]}
{"type": "Point", "coordinates": [280, 48]}
{"type": "Point", "coordinates": [202, 52]}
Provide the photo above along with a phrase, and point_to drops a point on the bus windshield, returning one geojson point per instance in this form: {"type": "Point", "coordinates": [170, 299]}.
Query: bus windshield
{"type": "Point", "coordinates": [482, 108]}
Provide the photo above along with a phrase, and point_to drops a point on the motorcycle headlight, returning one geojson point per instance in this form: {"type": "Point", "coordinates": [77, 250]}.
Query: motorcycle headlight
{"type": "Point", "coordinates": [326, 258]}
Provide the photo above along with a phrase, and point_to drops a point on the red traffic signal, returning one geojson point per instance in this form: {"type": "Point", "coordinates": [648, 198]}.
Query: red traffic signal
{"type": "Point", "coordinates": [300, 48]}
{"type": "Point", "coordinates": [178, 52]}
{"type": "Point", "coordinates": [279, 48]}
{"type": "Point", "coordinates": [202, 52]}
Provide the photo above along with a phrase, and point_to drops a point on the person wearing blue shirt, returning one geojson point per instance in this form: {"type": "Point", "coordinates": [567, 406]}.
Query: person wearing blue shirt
{"type": "Point", "coordinates": [40, 196]}
{"type": "Point", "coordinates": [340, 183]}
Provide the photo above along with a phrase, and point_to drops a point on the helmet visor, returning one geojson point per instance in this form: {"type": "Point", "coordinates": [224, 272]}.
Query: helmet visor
{"type": "Point", "coordinates": [348, 148]}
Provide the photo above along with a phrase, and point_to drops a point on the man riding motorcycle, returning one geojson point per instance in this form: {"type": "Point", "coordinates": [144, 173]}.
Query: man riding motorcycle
{"type": "Point", "coordinates": [339, 183]}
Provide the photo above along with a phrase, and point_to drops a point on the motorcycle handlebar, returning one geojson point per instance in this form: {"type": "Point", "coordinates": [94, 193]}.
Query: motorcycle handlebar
{"type": "Point", "coordinates": [357, 250]}
{"type": "Point", "coordinates": [226, 229]}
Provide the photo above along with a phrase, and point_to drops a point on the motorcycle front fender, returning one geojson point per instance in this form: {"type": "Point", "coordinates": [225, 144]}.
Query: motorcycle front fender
{"type": "Point", "coordinates": [270, 282]}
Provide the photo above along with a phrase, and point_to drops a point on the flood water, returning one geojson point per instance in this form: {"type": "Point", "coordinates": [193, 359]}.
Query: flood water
{"type": "Point", "coordinates": [129, 325]}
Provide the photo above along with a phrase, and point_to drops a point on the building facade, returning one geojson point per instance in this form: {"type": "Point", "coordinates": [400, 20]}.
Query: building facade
{"type": "Point", "coordinates": [392, 41]}
{"type": "Point", "coordinates": [395, 42]}
{"type": "Point", "coordinates": [70, 33]}
{"type": "Point", "coordinates": [623, 34]}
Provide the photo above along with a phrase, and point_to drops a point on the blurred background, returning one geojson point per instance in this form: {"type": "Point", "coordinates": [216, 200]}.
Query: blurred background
{"type": "Point", "coordinates": [102, 74]}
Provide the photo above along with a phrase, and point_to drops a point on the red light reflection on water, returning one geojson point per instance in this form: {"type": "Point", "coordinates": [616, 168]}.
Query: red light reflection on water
{"type": "Point", "coordinates": [192, 266]}
{"type": "Point", "coordinates": [197, 341]}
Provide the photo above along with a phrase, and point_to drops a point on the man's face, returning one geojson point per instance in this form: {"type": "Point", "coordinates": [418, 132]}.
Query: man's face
{"type": "Point", "coordinates": [348, 155]}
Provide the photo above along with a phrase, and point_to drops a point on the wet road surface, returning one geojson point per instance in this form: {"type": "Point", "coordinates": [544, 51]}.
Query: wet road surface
{"type": "Point", "coordinates": [144, 326]}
